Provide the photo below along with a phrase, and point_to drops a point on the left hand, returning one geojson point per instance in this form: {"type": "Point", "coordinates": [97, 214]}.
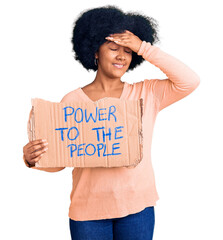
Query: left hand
{"type": "Point", "coordinates": [126, 39]}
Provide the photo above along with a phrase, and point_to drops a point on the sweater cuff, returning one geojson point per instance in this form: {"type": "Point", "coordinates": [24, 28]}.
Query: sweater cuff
{"type": "Point", "coordinates": [144, 45]}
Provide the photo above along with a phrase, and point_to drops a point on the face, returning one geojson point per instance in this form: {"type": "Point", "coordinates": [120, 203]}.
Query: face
{"type": "Point", "coordinates": [113, 59]}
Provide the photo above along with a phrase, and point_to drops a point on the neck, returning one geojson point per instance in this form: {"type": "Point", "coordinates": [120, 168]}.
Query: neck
{"type": "Point", "coordinates": [106, 83]}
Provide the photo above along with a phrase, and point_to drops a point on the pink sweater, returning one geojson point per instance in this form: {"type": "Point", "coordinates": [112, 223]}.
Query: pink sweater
{"type": "Point", "coordinates": [103, 193]}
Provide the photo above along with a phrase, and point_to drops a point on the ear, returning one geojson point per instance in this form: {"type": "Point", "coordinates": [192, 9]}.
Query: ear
{"type": "Point", "coordinates": [96, 55]}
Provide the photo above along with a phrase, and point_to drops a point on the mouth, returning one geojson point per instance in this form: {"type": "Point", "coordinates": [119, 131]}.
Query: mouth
{"type": "Point", "coordinates": [118, 65]}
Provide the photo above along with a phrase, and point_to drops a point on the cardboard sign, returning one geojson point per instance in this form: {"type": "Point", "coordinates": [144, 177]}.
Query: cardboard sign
{"type": "Point", "coordinates": [104, 133]}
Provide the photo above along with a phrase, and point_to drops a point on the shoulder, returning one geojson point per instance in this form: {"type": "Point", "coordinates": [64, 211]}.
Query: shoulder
{"type": "Point", "coordinates": [71, 96]}
{"type": "Point", "coordinates": [150, 84]}
{"type": "Point", "coordinates": [146, 83]}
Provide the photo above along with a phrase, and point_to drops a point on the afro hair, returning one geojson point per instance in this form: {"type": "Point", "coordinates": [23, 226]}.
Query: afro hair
{"type": "Point", "coordinates": [92, 26]}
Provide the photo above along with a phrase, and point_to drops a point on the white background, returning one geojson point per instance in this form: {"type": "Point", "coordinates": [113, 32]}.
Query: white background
{"type": "Point", "coordinates": [37, 61]}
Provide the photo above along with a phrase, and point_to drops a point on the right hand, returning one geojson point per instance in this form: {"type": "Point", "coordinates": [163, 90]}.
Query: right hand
{"type": "Point", "coordinates": [34, 150]}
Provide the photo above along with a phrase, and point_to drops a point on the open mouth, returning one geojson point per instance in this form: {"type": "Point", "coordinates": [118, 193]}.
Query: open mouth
{"type": "Point", "coordinates": [118, 65]}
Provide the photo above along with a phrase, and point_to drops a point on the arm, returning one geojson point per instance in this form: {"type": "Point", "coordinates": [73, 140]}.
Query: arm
{"type": "Point", "coordinates": [181, 79]}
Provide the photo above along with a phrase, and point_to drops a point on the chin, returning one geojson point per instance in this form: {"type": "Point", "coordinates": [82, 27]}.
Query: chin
{"type": "Point", "coordinates": [117, 75]}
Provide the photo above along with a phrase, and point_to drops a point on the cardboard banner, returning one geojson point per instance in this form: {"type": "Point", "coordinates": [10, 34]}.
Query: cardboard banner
{"type": "Point", "coordinates": [104, 133]}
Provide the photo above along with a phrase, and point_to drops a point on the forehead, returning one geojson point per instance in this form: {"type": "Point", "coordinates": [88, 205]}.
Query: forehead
{"type": "Point", "coordinates": [111, 43]}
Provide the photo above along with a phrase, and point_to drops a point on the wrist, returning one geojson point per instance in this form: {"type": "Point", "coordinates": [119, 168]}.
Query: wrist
{"type": "Point", "coordinates": [142, 47]}
{"type": "Point", "coordinates": [145, 46]}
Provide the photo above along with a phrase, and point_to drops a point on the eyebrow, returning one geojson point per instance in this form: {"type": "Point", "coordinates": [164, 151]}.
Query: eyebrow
{"type": "Point", "coordinates": [111, 42]}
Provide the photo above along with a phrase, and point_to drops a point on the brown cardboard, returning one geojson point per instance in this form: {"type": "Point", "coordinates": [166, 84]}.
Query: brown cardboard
{"type": "Point", "coordinates": [113, 140]}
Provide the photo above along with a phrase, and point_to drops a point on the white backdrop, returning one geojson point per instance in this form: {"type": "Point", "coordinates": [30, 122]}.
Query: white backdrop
{"type": "Point", "coordinates": [37, 61]}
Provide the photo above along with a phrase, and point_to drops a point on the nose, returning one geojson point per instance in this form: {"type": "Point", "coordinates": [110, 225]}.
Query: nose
{"type": "Point", "coordinates": [121, 54]}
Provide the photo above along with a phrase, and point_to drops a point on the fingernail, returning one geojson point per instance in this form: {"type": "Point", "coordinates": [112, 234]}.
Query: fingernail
{"type": "Point", "coordinates": [109, 37]}
{"type": "Point", "coordinates": [44, 140]}
{"type": "Point", "coordinates": [45, 143]}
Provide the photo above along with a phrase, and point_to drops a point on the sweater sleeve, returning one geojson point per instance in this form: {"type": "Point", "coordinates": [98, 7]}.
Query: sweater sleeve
{"type": "Point", "coordinates": [50, 169]}
{"type": "Point", "coordinates": [180, 81]}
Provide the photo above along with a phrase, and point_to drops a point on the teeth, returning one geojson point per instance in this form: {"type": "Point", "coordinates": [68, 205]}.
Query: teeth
{"type": "Point", "coordinates": [118, 65]}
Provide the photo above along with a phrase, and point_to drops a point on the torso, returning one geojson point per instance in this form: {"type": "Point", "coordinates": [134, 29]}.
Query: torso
{"type": "Point", "coordinates": [95, 94]}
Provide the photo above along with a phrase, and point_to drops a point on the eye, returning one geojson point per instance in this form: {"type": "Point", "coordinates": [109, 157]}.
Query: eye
{"type": "Point", "coordinates": [115, 49]}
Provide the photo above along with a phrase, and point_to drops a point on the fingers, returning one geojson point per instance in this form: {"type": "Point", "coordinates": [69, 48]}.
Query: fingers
{"type": "Point", "coordinates": [35, 156]}
{"type": "Point", "coordinates": [121, 35]}
{"type": "Point", "coordinates": [126, 33]}
{"type": "Point", "coordinates": [118, 37]}
{"type": "Point", "coordinates": [36, 147]}
{"type": "Point", "coordinates": [37, 152]}
{"type": "Point", "coordinates": [31, 143]}
{"type": "Point", "coordinates": [36, 159]}
{"type": "Point", "coordinates": [123, 41]}
{"type": "Point", "coordinates": [126, 39]}
{"type": "Point", "coordinates": [34, 150]}
{"type": "Point", "coordinates": [36, 142]}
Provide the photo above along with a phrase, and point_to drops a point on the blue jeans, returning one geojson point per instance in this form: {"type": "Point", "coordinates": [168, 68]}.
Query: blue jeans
{"type": "Point", "coordinates": [137, 226]}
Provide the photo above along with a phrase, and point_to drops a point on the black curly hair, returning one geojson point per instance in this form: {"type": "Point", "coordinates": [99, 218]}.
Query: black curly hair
{"type": "Point", "coordinates": [92, 26]}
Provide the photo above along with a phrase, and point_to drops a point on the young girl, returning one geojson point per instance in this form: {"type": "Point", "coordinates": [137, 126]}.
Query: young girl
{"type": "Point", "coordinates": [118, 203]}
